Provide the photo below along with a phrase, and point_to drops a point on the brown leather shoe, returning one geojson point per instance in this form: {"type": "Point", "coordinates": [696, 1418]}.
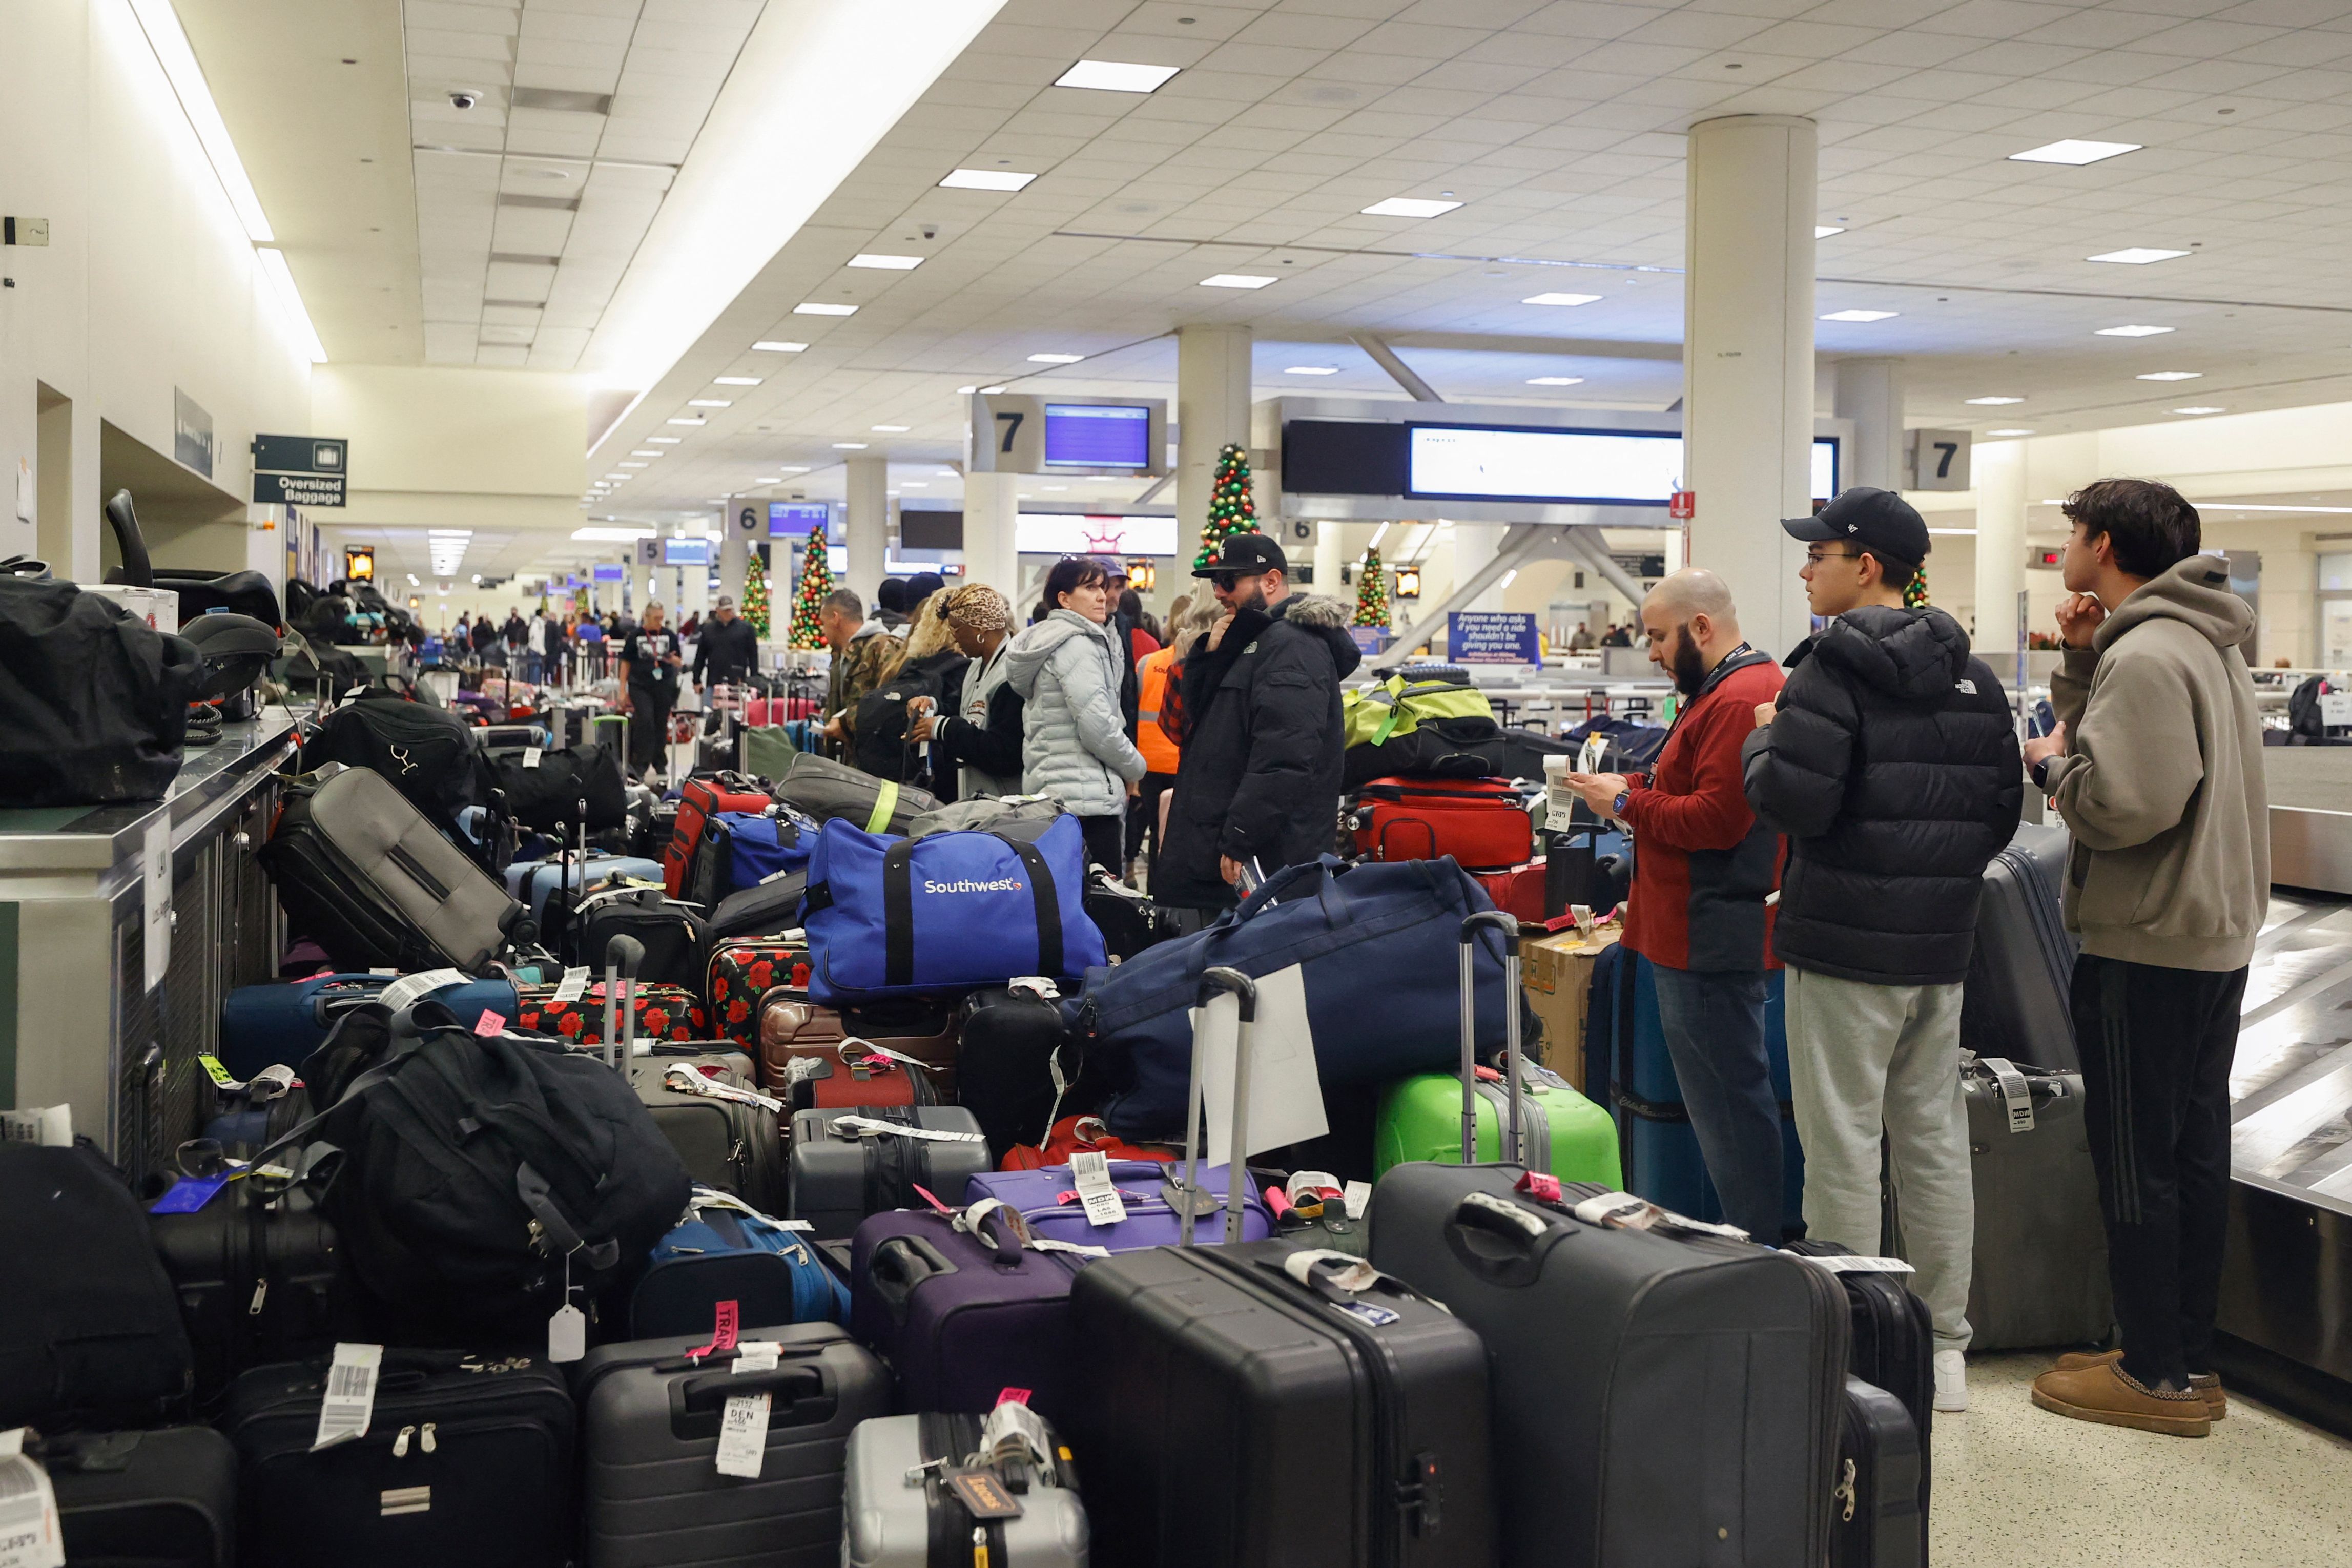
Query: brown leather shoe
{"type": "Point", "coordinates": [2209, 1384]}
{"type": "Point", "coordinates": [2106, 1394]}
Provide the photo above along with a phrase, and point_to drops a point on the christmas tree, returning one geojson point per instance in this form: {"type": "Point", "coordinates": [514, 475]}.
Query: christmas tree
{"type": "Point", "coordinates": [816, 583]}
{"type": "Point", "coordinates": [1915, 597]}
{"type": "Point", "coordinates": [755, 595]}
{"type": "Point", "coordinates": [1372, 593]}
{"type": "Point", "coordinates": [1230, 510]}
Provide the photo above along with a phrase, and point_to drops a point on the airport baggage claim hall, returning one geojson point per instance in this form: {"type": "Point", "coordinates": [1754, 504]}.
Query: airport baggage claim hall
{"type": "Point", "coordinates": [1562, 355]}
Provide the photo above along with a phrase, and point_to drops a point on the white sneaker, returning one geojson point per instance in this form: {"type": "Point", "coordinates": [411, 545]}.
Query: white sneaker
{"type": "Point", "coordinates": [1951, 1380]}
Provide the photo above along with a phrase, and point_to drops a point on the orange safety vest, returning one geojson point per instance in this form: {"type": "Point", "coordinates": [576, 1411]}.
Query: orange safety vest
{"type": "Point", "coordinates": [1159, 752]}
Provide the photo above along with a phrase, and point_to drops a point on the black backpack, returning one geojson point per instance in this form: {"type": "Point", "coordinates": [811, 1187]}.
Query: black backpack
{"type": "Point", "coordinates": [89, 1325]}
{"type": "Point", "coordinates": [93, 702]}
{"type": "Point", "coordinates": [476, 1173]}
{"type": "Point", "coordinates": [881, 738]}
{"type": "Point", "coordinates": [428, 754]}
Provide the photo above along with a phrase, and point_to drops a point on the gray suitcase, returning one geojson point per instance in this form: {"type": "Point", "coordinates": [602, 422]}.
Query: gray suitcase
{"type": "Point", "coordinates": [362, 869]}
{"type": "Point", "coordinates": [896, 1504]}
{"type": "Point", "coordinates": [2041, 1257]}
{"type": "Point", "coordinates": [650, 1417]}
{"type": "Point", "coordinates": [837, 1177]}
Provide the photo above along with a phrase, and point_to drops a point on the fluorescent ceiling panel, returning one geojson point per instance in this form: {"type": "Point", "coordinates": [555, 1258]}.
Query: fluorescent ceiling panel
{"type": "Point", "coordinates": [2071, 151]}
{"type": "Point", "coordinates": [886, 263]}
{"type": "Point", "coordinates": [984, 179]}
{"type": "Point", "coordinates": [2135, 256]}
{"type": "Point", "coordinates": [770, 346]}
{"type": "Point", "coordinates": [1408, 206]}
{"type": "Point", "coordinates": [1860, 315]}
{"type": "Point", "coordinates": [2130, 332]}
{"type": "Point", "coordinates": [1235, 281]}
{"type": "Point", "coordinates": [1115, 76]}
{"type": "Point", "coordinates": [1558, 299]}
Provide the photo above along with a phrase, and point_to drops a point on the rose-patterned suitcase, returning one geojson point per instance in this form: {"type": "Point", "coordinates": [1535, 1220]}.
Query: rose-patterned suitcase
{"type": "Point", "coordinates": [739, 975]}
{"type": "Point", "coordinates": [664, 1013]}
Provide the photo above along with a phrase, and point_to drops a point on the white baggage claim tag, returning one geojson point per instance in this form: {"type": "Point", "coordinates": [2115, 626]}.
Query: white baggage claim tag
{"type": "Point", "coordinates": [30, 1533]}
{"type": "Point", "coordinates": [573, 986]}
{"type": "Point", "coordinates": [744, 1429]}
{"type": "Point", "coordinates": [349, 1402]}
{"type": "Point", "coordinates": [1091, 1170]}
{"type": "Point", "coordinates": [413, 988]}
{"type": "Point", "coordinates": [1286, 1101]}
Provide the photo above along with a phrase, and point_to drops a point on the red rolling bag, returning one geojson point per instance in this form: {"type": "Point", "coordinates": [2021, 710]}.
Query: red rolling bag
{"type": "Point", "coordinates": [1481, 823]}
{"type": "Point", "coordinates": [700, 800]}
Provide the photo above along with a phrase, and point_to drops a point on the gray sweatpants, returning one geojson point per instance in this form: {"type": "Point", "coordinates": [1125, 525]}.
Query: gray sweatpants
{"type": "Point", "coordinates": [1864, 1059]}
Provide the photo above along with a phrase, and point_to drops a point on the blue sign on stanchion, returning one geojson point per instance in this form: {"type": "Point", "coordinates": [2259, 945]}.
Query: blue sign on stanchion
{"type": "Point", "coordinates": [1492, 636]}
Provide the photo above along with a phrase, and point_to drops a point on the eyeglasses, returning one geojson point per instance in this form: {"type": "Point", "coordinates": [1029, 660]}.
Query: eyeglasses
{"type": "Point", "coordinates": [1815, 557]}
{"type": "Point", "coordinates": [1226, 581]}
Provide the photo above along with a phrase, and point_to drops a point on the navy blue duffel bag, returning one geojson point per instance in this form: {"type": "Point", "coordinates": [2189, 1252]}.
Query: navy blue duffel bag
{"type": "Point", "coordinates": [1378, 946]}
{"type": "Point", "coordinates": [889, 916]}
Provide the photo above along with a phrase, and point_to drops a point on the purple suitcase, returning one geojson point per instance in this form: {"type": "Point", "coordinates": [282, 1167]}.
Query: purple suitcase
{"type": "Point", "coordinates": [960, 1319]}
{"type": "Point", "coordinates": [1047, 1198]}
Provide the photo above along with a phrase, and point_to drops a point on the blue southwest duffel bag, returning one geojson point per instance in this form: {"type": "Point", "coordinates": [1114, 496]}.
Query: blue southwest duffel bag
{"type": "Point", "coordinates": [946, 911]}
{"type": "Point", "coordinates": [1378, 947]}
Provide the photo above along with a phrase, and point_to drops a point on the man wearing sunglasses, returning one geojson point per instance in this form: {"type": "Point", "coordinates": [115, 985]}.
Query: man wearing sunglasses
{"type": "Point", "coordinates": [1259, 777]}
{"type": "Point", "coordinates": [1890, 760]}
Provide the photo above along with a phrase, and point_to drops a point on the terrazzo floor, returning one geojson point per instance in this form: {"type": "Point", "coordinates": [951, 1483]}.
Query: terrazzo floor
{"type": "Point", "coordinates": [2016, 1486]}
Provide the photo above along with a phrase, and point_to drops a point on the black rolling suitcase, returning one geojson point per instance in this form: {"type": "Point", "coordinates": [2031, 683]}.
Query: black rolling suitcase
{"type": "Point", "coordinates": [650, 1419]}
{"type": "Point", "coordinates": [465, 1463]}
{"type": "Point", "coordinates": [165, 1498]}
{"type": "Point", "coordinates": [363, 872]}
{"type": "Point", "coordinates": [2014, 1003]}
{"type": "Point", "coordinates": [1666, 1395]}
{"type": "Point", "coordinates": [1005, 1066]}
{"type": "Point", "coordinates": [1257, 1405]}
{"type": "Point", "coordinates": [1893, 1357]}
{"type": "Point", "coordinates": [258, 1279]}
{"type": "Point", "coordinates": [1878, 1513]}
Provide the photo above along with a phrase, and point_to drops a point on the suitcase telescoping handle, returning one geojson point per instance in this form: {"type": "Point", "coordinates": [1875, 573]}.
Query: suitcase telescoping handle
{"type": "Point", "coordinates": [1509, 926]}
{"type": "Point", "coordinates": [1245, 992]}
{"type": "Point", "coordinates": [622, 956]}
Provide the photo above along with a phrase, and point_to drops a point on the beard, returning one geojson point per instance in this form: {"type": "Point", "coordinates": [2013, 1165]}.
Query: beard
{"type": "Point", "coordinates": [1252, 598]}
{"type": "Point", "coordinates": [1687, 667]}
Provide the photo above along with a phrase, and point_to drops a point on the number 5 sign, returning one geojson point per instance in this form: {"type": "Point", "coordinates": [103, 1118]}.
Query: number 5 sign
{"type": "Point", "coordinates": [1939, 460]}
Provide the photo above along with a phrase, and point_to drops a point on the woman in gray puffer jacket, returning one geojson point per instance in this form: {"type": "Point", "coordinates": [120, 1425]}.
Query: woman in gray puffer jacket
{"type": "Point", "coordinates": [1073, 741]}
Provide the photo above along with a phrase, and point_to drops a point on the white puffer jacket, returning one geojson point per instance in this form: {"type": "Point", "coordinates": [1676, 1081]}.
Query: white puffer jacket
{"type": "Point", "coordinates": [1074, 743]}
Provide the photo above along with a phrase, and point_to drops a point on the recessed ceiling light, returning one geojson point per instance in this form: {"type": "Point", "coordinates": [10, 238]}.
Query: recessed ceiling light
{"type": "Point", "coordinates": [849, 446]}
{"type": "Point", "coordinates": [2200, 408]}
{"type": "Point", "coordinates": [2072, 151]}
{"type": "Point", "coordinates": [966, 391]}
{"type": "Point", "coordinates": [1055, 359]}
{"type": "Point", "coordinates": [1052, 486]}
{"type": "Point", "coordinates": [886, 263]}
{"type": "Point", "coordinates": [991, 391]}
{"type": "Point", "coordinates": [1556, 381]}
{"type": "Point", "coordinates": [1311, 370]}
{"type": "Point", "coordinates": [1408, 206]}
{"type": "Point", "coordinates": [666, 440]}
{"type": "Point", "coordinates": [984, 179]}
{"type": "Point", "coordinates": [735, 381]}
{"type": "Point", "coordinates": [647, 454]}
{"type": "Point", "coordinates": [823, 308]}
{"type": "Point", "coordinates": [632, 465]}
{"type": "Point", "coordinates": [796, 467]}
{"type": "Point", "coordinates": [683, 420]}
{"type": "Point", "coordinates": [2135, 256]}
{"type": "Point", "coordinates": [1235, 281]}
{"type": "Point", "coordinates": [1823, 230]}
{"type": "Point", "coordinates": [1115, 76]}
{"type": "Point", "coordinates": [946, 473]}
{"type": "Point", "coordinates": [770, 346]}
{"type": "Point", "coordinates": [1991, 401]}
{"type": "Point", "coordinates": [2010, 432]}
{"type": "Point", "coordinates": [2129, 332]}
{"type": "Point", "coordinates": [1558, 299]}
{"type": "Point", "coordinates": [769, 479]}
{"type": "Point", "coordinates": [1860, 315]}
{"type": "Point", "coordinates": [616, 476]}
{"type": "Point", "coordinates": [892, 429]}
{"type": "Point", "coordinates": [709, 403]}
{"type": "Point", "coordinates": [915, 484]}
{"type": "Point", "coordinates": [2170, 376]}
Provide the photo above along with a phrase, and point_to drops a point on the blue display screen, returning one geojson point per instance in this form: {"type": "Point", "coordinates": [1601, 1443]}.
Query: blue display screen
{"type": "Point", "coordinates": [1097, 435]}
{"type": "Point", "coordinates": [608, 573]}
{"type": "Point", "coordinates": [685, 553]}
{"type": "Point", "coordinates": [795, 519]}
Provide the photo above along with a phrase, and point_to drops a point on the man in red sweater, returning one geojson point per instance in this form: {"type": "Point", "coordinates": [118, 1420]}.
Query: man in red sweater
{"type": "Point", "coordinates": [1702, 866]}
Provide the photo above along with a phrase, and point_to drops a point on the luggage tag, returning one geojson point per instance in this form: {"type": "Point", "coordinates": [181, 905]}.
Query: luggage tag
{"type": "Point", "coordinates": [1359, 1196]}
{"type": "Point", "coordinates": [722, 1332]}
{"type": "Point", "coordinates": [190, 1194]}
{"type": "Point", "coordinates": [1324, 1272]}
{"type": "Point", "coordinates": [1847, 1263]}
{"type": "Point", "coordinates": [530, 756]}
{"type": "Point", "coordinates": [31, 1535]}
{"type": "Point", "coordinates": [567, 1330]}
{"type": "Point", "coordinates": [411, 989]}
{"type": "Point", "coordinates": [968, 1221]}
{"type": "Point", "coordinates": [1624, 1211]}
{"type": "Point", "coordinates": [1038, 985]}
{"type": "Point", "coordinates": [1092, 1173]}
{"type": "Point", "coordinates": [683, 1079]}
{"type": "Point", "coordinates": [349, 1401]}
{"type": "Point", "coordinates": [743, 1424]}
{"type": "Point", "coordinates": [223, 1079]}
{"type": "Point", "coordinates": [2016, 1094]}
{"type": "Point", "coordinates": [849, 1127]}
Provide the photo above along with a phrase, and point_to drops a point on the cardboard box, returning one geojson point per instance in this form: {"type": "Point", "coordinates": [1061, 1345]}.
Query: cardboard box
{"type": "Point", "coordinates": [1557, 972]}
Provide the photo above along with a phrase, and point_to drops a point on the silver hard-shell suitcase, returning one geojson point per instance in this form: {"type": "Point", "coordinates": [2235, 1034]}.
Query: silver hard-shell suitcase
{"type": "Point", "coordinates": [896, 1499]}
{"type": "Point", "coordinates": [650, 1418]}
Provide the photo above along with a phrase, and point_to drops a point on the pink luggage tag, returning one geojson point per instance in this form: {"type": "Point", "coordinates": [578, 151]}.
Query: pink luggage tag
{"type": "Point", "coordinates": [722, 1335]}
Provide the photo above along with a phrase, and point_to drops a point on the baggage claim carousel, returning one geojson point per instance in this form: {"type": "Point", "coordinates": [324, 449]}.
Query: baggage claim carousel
{"type": "Point", "coordinates": [2286, 1288]}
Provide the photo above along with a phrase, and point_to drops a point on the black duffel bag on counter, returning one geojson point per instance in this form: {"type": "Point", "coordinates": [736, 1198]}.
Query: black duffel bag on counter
{"type": "Point", "coordinates": [93, 700]}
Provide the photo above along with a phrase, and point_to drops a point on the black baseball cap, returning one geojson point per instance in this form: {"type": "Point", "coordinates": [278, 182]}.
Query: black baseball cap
{"type": "Point", "coordinates": [1247, 553]}
{"type": "Point", "coordinates": [1877, 520]}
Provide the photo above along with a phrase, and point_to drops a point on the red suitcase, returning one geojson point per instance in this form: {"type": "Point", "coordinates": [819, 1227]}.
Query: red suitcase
{"type": "Point", "coordinates": [1517, 892]}
{"type": "Point", "coordinates": [851, 1077]}
{"type": "Point", "coordinates": [1481, 823]}
{"type": "Point", "coordinates": [739, 975]}
{"type": "Point", "coordinates": [699, 800]}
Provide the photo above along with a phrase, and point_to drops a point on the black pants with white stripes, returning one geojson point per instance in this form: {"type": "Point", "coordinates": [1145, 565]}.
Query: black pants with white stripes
{"type": "Point", "coordinates": [2157, 1044]}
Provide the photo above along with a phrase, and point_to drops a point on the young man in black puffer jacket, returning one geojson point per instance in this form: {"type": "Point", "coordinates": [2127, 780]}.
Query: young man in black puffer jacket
{"type": "Point", "coordinates": [1891, 766]}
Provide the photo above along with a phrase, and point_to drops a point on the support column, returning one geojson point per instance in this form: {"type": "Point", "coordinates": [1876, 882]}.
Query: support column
{"type": "Point", "coordinates": [869, 522]}
{"type": "Point", "coordinates": [1748, 360]}
{"type": "Point", "coordinates": [735, 550]}
{"type": "Point", "coordinates": [1870, 393]}
{"type": "Point", "coordinates": [694, 587]}
{"type": "Point", "coordinates": [2001, 556]}
{"type": "Point", "coordinates": [1475, 544]}
{"type": "Point", "coordinates": [990, 506]}
{"type": "Point", "coordinates": [1330, 559]}
{"type": "Point", "coordinates": [1212, 411]}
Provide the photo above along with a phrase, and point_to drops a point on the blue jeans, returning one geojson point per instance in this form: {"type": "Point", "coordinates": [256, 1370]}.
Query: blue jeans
{"type": "Point", "coordinates": [1713, 1024]}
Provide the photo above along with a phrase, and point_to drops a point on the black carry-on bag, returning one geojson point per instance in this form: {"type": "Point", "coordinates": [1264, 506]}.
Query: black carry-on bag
{"type": "Point", "coordinates": [162, 1499]}
{"type": "Point", "coordinates": [2014, 1003]}
{"type": "Point", "coordinates": [1260, 1406]}
{"type": "Point", "coordinates": [1879, 1503]}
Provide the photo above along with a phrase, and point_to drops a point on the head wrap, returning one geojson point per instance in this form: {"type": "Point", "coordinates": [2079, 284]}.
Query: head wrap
{"type": "Point", "coordinates": [980, 607]}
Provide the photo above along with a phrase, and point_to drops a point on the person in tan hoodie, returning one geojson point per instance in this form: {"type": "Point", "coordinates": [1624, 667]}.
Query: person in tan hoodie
{"type": "Point", "coordinates": [2156, 766]}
